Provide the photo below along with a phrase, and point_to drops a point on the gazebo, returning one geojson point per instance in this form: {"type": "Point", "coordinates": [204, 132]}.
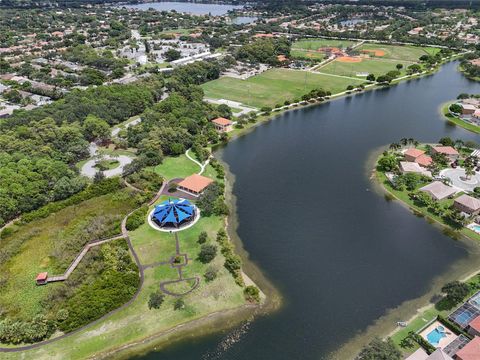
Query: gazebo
{"type": "Point", "coordinates": [173, 214]}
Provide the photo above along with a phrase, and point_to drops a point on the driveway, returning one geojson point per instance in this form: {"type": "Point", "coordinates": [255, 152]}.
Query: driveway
{"type": "Point", "coordinates": [89, 169]}
{"type": "Point", "coordinates": [457, 176]}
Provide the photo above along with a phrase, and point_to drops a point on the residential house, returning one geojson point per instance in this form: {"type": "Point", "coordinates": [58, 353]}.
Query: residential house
{"type": "Point", "coordinates": [449, 151]}
{"type": "Point", "coordinates": [474, 327]}
{"type": "Point", "coordinates": [467, 109]}
{"type": "Point", "coordinates": [413, 167]}
{"type": "Point", "coordinates": [438, 190]}
{"type": "Point", "coordinates": [471, 351]}
{"type": "Point", "coordinates": [223, 125]}
{"type": "Point", "coordinates": [421, 354]}
{"type": "Point", "coordinates": [467, 204]}
{"type": "Point", "coordinates": [418, 156]}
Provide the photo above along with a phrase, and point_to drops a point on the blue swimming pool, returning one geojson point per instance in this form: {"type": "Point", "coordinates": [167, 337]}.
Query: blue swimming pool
{"type": "Point", "coordinates": [436, 335]}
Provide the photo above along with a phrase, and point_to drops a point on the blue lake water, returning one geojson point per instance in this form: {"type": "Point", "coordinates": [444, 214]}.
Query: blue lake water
{"type": "Point", "coordinates": [186, 7]}
{"type": "Point", "coordinates": [340, 254]}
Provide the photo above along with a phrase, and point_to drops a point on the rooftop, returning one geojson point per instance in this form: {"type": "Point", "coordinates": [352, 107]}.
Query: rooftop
{"type": "Point", "coordinates": [447, 150]}
{"type": "Point", "coordinates": [414, 152]}
{"type": "Point", "coordinates": [469, 202]}
{"type": "Point", "coordinates": [424, 160]}
{"type": "Point", "coordinates": [196, 183]}
{"type": "Point", "coordinates": [222, 121]}
{"type": "Point", "coordinates": [439, 190]}
{"type": "Point", "coordinates": [471, 351]}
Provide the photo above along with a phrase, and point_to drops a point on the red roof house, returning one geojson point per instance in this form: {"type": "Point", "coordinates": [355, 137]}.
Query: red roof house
{"type": "Point", "coordinates": [222, 125]}
{"type": "Point", "coordinates": [194, 184]}
{"type": "Point", "coordinates": [474, 326]}
{"type": "Point", "coordinates": [449, 151]}
{"type": "Point", "coordinates": [471, 351]}
{"type": "Point", "coordinates": [424, 160]}
{"type": "Point", "coordinates": [412, 153]}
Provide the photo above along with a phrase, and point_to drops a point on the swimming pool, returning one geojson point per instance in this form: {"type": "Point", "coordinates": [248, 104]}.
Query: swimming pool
{"type": "Point", "coordinates": [436, 335]}
{"type": "Point", "coordinates": [475, 300]}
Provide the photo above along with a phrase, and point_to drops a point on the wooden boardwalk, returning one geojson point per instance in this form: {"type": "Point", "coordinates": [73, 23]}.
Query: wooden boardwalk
{"type": "Point", "coordinates": [79, 258]}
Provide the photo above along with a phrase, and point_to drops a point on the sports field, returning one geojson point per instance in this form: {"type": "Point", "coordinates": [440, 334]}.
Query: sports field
{"type": "Point", "coordinates": [309, 48]}
{"type": "Point", "coordinates": [274, 86]}
{"type": "Point", "coordinates": [371, 66]}
{"type": "Point", "coordinates": [398, 52]}
{"type": "Point", "coordinates": [315, 44]}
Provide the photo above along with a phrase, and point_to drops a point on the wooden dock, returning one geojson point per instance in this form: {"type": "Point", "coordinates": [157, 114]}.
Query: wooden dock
{"type": "Point", "coordinates": [79, 258]}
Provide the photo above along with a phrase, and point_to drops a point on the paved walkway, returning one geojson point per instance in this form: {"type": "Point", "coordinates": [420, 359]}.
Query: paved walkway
{"type": "Point", "coordinates": [244, 109]}
{"type": "Point", "coordinates": [458, 179]}
{"type": "Point", "coordinates": [202, 166]}
{"type": "Point", "coordinates": [133, 122]}
{"type": "Point", "coordinates": [89, 169]}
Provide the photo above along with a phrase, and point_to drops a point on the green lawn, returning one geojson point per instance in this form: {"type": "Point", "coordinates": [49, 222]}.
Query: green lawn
{"type": "Point", "coordinates": [137, 322]}
{"type": "Point", "coordinates": [273, 86]}
{"type": "Point", "coordinates": [398, 52]}
{"type": "Point", "coordinates": [310, 54]}
{"type": "Point", "coordinates": [371, 66]}
{"type": "Point", "coordinates": [315, 44]}
{"type": "Point", "coordinates": [177, 167]}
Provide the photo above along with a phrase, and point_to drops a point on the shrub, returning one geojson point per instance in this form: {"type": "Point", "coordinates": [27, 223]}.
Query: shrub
{"type": "Point", "coordinates": [252, 294]}
{"type": "Point", "coordinates": [211, 274]}
{"type": "Point", "coordinates": [202, 238]}
{"type": "Point", "coordinates": [156, 300]}
{"type": "Point", "coordinates": [233, 262]}
{"type": "Point", "coordinates": [179, 304]}
{"type": "Point", "coordinates": [137, 218]}
{"type": "Point", "coordinates": [207, 253]}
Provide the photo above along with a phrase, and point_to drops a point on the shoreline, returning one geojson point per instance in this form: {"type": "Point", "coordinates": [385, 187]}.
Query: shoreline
{"type": "Point", "coordinates": [456, 121]}
{"type": "Point", "coordinates": [273, 297]}
{"type": "Point", "coordinates": [385, 325]}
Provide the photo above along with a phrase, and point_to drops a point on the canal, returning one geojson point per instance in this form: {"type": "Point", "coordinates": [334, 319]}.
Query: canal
{"type": "Point", "coordinates": [339, 253]}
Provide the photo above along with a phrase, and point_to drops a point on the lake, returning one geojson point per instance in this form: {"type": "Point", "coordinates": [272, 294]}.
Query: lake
{"type": "Point", "coordinates": [340, 254]}
{"type": "Point", "coordinates": [186, 7]}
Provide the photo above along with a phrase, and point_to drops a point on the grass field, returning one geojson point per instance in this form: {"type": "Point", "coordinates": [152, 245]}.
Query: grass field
{"type": "Point", "coordinates": [273, 86]}
{"type": "Point", "coordinates": [402, 53]}
{"type": "Point", "coordinates": [307, 54]}
{"type": "Point", "coordinates": [176, 167]}
{"type": "Point", "coordinates": [20, 296]}
{"type": "Point", "coordinates": [314, 44]}
{"type": "Point", "coordinates": [375, 66]}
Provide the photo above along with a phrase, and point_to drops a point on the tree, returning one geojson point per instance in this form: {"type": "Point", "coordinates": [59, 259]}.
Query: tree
{"type": "Point", "coordinates": [446, 141]}
{"type": "Point", "coordinates": [388, 162]}
{"type": "Point", "coordinates": [156, 300]}
{"type": "Point", "coordinates": [371, 77]}
{"type": "Point", "coordinates": [456, 291]}
{"type": "Point", "coordinates": [95, 128]}
{"type": "Point", "coordinates": [455, 108]}
{"type": "Point", "coordinates": [13, 96]}
{"type": "Point", "coordinates": [469, 168]}
{"type": "Point", "coordinates": [172, 54]}
{"type": "Point", "coordinates": [378, 349]}
{"type": "Point", "coordinates": [207, 253]}
{"type": "Point", "coordinates": [399, 66]}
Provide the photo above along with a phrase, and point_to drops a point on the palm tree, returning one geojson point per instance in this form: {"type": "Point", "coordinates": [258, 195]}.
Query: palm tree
{"type": "Point", "coordinates": [404, 141]}
{"type": "Point", "coordinates": [469, 170]}
{"type": "Point", "coordinates": [394, 146]}
{"type": "Point", "coordinates": [411, 141]}
{"type": "Point", "coordinates": [458, 143]}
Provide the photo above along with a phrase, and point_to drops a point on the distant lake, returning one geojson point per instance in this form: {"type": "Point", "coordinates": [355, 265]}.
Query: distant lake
{"type": "Point", "coordinates": [349, 22]}
{"type": "Point", "coordinates": [240, 20]}
{"type": "Point", "coordinates": [186, 7]}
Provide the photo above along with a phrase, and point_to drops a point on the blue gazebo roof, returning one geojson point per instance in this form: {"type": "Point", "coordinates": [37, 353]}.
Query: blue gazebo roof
{"type": "Point", "coordinates": [173, 212]}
